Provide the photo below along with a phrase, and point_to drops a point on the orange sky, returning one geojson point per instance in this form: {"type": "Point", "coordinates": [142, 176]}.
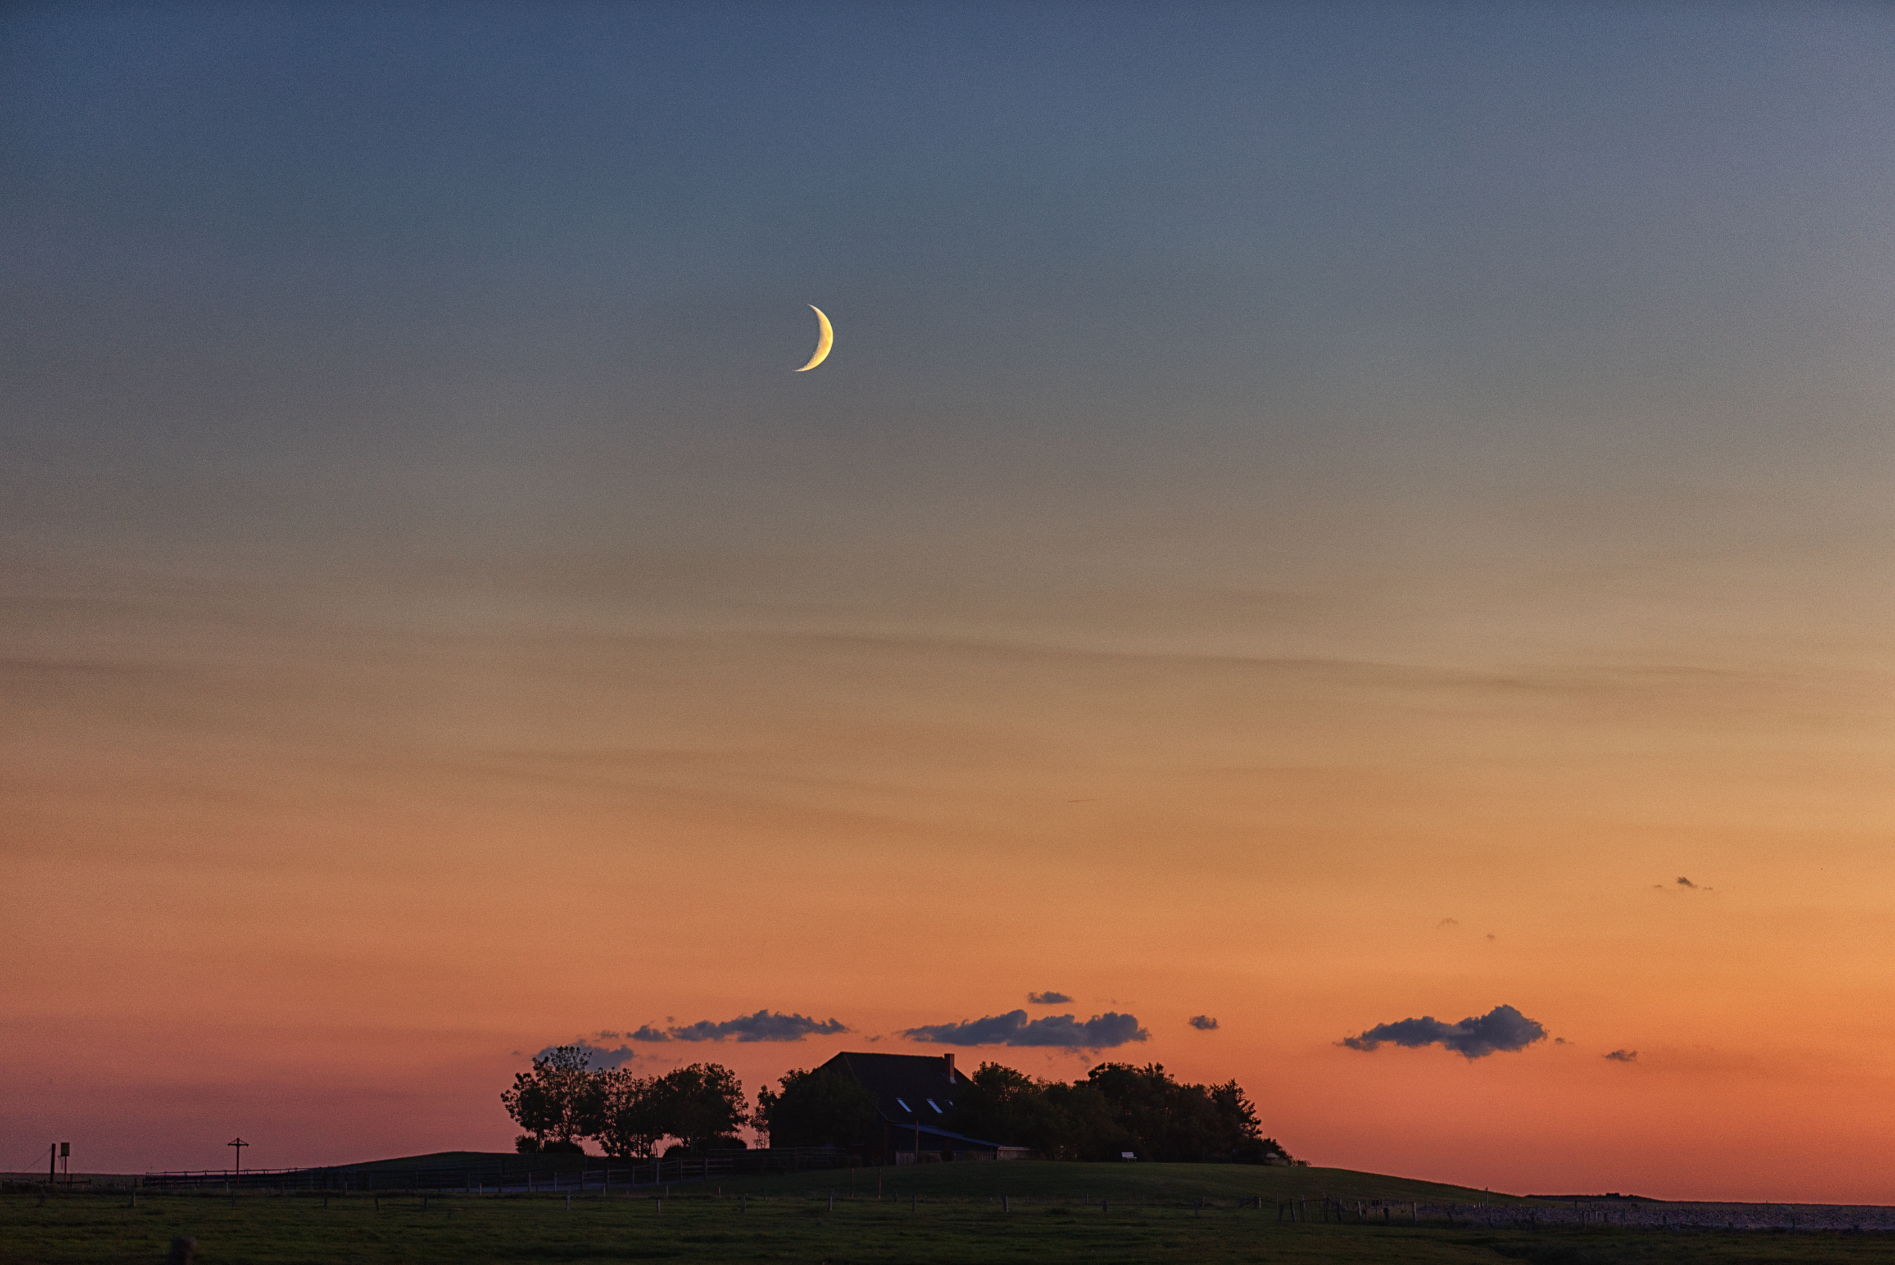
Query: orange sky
{"type": "Point", "coordinates": [313, 878]}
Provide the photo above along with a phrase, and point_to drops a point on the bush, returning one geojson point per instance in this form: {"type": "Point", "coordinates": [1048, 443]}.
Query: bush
{"type": "Point", "coordinates": [527, 1144]}
{"type": "Point", "coordinates": [706, 1146]}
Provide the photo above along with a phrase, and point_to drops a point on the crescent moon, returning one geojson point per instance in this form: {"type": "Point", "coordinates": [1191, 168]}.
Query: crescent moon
{"type": "Point", "coordinates": [823, 344]}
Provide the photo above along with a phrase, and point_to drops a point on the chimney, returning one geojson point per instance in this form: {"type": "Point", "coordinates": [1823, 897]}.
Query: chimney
{"type": "Point", "coordinates": [949, 1060]}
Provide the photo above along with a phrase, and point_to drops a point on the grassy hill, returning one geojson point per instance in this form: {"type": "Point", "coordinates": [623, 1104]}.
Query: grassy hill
{"type": "Point", "coordinates": [955, 1218]}
{"type": "Point", "coordinates": [1044, 1181]}
{"type": "Point", "coordinates": [1125, 1184]}
{"type": "Point", "coordinates": [447, 1159]}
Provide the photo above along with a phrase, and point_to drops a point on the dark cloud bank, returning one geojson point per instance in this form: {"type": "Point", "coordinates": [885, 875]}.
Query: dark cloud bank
{"type": "Point", "coordinates": [1101, 1032]}
{"type": "Point", "coordinates": [765, 1025]}
{"type": "Point", "coordinates": [1501, 1029]}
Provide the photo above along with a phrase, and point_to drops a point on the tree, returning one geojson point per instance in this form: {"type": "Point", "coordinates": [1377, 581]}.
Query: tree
{"type": "Point", "coordinates": [1238, 1124]}
{"type": "Point", "coordinates": [628, 1125]}
{"type": "Point", "coordinates": [1170, 1121]}
{"type": "Point", "coordinates": [1004, 1105]}
{"type": "Point", "coordinates": [698, 1104]}
{"type": "Point", "coordinates": [1088, 1129]}
{"type": "Point", "coordinates": [1117, 1108]}
{"type": "Point", "coordinates": [824, 1107]}
{"type": "Point", "coordinates": [557, 1103]}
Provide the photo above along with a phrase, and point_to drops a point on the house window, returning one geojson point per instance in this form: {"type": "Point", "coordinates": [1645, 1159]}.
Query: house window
{"type": "Point", "coordinates": [937, 1110]}
{"type": "Point", "coordinates": [904, 1106]}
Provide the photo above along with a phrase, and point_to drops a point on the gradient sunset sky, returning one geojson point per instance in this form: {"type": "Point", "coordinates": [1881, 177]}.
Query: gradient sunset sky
{"type": "Point", "coordinates": [1316, 516]}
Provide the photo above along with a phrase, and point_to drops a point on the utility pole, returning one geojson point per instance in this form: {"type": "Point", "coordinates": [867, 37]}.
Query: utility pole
{"type": "Point", "coordinates": [240, 1144]}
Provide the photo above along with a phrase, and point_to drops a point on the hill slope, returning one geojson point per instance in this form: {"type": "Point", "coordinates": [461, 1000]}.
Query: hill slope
{"type": "Point", "coordinates": [1127, 1184]}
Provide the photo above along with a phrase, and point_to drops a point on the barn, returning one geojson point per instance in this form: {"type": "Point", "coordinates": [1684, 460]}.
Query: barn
{"type": "Point", "coordinates": [914, 1096]}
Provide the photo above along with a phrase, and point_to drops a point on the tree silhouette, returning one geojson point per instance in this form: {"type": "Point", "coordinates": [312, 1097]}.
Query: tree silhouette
{"type": "Point", "coordinates": [557, 1103]}
{"type": "Point", "coordinates": [824, 1107]}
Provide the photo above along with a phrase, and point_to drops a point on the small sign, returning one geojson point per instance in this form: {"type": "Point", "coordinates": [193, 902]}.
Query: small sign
{"type": "Point", "coordinates": [65, 1149]}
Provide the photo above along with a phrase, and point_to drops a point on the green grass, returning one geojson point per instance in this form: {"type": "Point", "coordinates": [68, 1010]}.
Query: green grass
{"type": "Point", "coordinates": [957, 1218]}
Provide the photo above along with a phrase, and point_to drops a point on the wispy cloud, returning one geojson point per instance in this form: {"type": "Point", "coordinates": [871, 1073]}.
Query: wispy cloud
{"type": "Point", "coordinates": [1049, 998]}
{"type": "Point", "coordinates": [1501, 1029]}
{"type": "Point", "coordinates": [765, 1025]}
{"type": "Point", "coordinates": [1623, 1056]}
{"type": "Point", "coordinates": [1101, 1032]}
{"type": "Point", "coordinates": [1203, 1023]}
{"type": "Point", "coordinates": [597, 1056]}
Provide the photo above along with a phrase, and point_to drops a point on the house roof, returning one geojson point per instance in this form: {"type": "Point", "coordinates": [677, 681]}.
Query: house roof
{"type": "Point", "coordinates": [907, 1087]}
{"type": "Point", "coordinates": [932, 1132]}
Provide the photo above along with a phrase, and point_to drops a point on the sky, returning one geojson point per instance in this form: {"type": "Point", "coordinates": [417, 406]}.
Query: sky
{"type": "Point", "coordinates": [1364, 523]}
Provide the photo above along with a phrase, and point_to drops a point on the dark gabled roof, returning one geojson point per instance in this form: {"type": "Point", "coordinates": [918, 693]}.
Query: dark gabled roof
{"type": "Point", "coordinates": [903, 1084]}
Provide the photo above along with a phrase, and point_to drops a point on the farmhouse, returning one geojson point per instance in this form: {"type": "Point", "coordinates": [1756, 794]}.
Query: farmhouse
{"type": "Point", "coordinates": [914, 1097]}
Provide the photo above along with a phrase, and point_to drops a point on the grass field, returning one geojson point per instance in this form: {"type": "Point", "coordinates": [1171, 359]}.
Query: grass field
{"type": "Point", "coordinates": [940, 1214]}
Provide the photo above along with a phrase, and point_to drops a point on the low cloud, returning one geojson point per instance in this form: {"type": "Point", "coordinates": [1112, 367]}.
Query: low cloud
{"type": "Point", "coordinates": [1685, 882]}
{"type": "Point", "coordinates": [1501, 1029]}
{"type": "Point", "coordinates": [1203, 1023]}
{"type": "Point", "coordinates": [597, 1057]}
{"type": "Point", "coordinates": [765, 1025]}
{"type": "Point", "coordinates": [1049, 999]}
{"type": "Point", "coordinates": [1445, 923]}
{"type": "Point", "coordinates": [1101, 1032]}
{"type": "Point", "coordinates": [1623, 1056]}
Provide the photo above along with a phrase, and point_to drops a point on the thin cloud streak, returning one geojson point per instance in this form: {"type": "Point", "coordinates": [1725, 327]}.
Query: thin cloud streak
{"type": "Point", "coordinates": [1101, 1032]}
{"type": "Point", "coordinates": [765, 1025]}
{"type": "Point", "coordinates": [597, 1056]}
{"type": "Point", "coordinates": [1502, 1029]}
